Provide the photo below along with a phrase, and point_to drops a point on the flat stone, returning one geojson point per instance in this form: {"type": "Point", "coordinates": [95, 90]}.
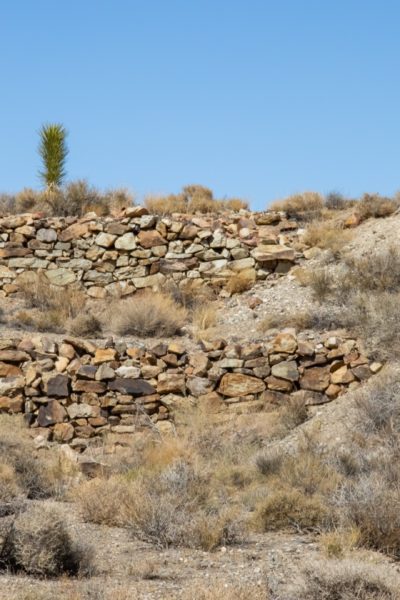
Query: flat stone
{"type": "Point", "coordinates": [315, 379]}
{"type": "Point", "coordinates": [285, 342]}
{"type": "Point", "coordinates": [105, 239]}
{"type": "Point", "coordinates": [104, 373]}
{"type": "Point", "coordinates": [286, 370]}
{"type": "Point", "coordinates": [86, 385]}
{"type": "Point", "coordinates": [237, 384]}
{"type": "Point", "coordinates": [9, 385]}
{"type": "Point", "coordinates": [135, 387]}
{"type": "Point", "coordinates": [148, 239]}
{"type": "Point", "coordinates": [171, 383]}
{"type": "Point", "coordinates": [104, 355]}
{"type": "Point", "coordinates": [80, 411]}
{"type": "Point", "coordinates": [198, 386]}
{"type": "Point", "coordinates": [126, 242]}
{"type": "Point", "coordinates": [46, 235]}
{"type": "Point", "coordinates": [60, 276]}
{"type": "Point", "coordinates": [272, 252]}
{"type": "Point", "coordinates": [58, 386]}
{"type": "Point", "coordinates": [73, 232]}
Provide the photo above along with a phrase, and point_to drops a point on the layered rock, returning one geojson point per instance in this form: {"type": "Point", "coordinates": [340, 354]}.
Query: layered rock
{"type": "Point", "coordinates": [119, 255]}
{"type": "Point", "coordinates": [76, 390]}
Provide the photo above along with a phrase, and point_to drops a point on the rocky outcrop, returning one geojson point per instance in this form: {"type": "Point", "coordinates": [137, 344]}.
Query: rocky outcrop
{"type": "Point", "coordinates": [121, 254]}
{"type": "Point", "coordinates": [74, 390]}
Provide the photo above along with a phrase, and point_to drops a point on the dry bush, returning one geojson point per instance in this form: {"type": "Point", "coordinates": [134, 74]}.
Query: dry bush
{"type": "Point", "coordinates": [39, 544]}
{"type": "Point", "coordinates": [54, 305]}
{"type": "Point", "coordinates": [292, 414]}
{"type": "Point", "coordinates": [339, 542]}
{"type": "Point", "coordinates": [336, 201]}
{"type": "Point", "coordinates": [190, 293]}
{"type": "Point", "coordinates": [84, 325]}
{"type": "Point", "coordinates": [288, 508]}
{"type": "Point", "coordinates": [378, 404]}
{"type": "Point", "coordinates": [204, 317]}
{"type": "Point", "coordinates": [241, 281]}
{"type": "Point", "coordinates": [299, 319]}
{"type": "Point", "coordinates": [327, 235]}
{"type": "Point", "coordinates": [321, 282]}
{"type": "Point", "coordinates": [234, 204]}
{"type": "Point", "coordinates": [7, 204]}
{"type": "Point", "coordinates": [306, 205]}
{"type": "Point", "coordinates": [225, 591]}
{"type": "Point", "coordinates": [9, 486]}
{"type": "Point", "coordinates": [372, 504]}
{"type": "Point", "coordinates": [376, 206]}
{"type": "Point", "coordinates": [269, 461]}
{"type": "Point", "coordinates": [103, 500]}
{"type": "Point", "coordinates": [35, 476]}
{"type": "Point", "coordinates": [375, 271]}
{"type": "Point", "coordinates": [165, 205]}
{"type": "Point", "coordinates": [349, 580]}
{"type": "Point", "coordinates": [148, 314]}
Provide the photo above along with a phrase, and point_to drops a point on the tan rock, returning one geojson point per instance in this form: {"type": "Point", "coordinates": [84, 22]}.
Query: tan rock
{"type": "Point", "coordinates": [286, 370]}
{"type": "Point", "coordinates": [237, 384]}
{"type": "Point", "coordinates": [73, 232]}
{"type": "Point", "coordinates": [150, 238]}
{"type": "Point", "coordinates": [104, 355]}
{"type": "Point", "coordinates": [285, 342]}
{"type": "Point", "coordinates": [315, 379]}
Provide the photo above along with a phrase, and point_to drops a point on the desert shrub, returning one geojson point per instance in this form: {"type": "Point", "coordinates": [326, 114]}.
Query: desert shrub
{"type": "Point", "coordinates": [288, 508]}
{"type": "Point", "coordinates": [378, 404]}
{"type": "Point", "coordinates": [293, 414]}
{"type": "Point", "coordinates": [53, 305]}
{"type": "Point", "coordinates": [148, 314]}
{"type": "Point", "coordinates": [321, 282]}
{"type": "Point", "coordinates": [241, 281]}
{"type": "Point", "coordinates": [234, 204]}
{"type": "Point", "coordinates": [348, 580]}
{"type": "Point", "coordinates": [165, 205]}
{"type": "Point", "coordinates": [372, 504]}
{"type": "Point", "coordinates": [103, 500]}
{"type": "Point", "coordinates": [306, 205]}
{"type": "Point", "coordinates": [29, 200]}
{"type": "Point", "coordinates": [378, 271]}
{"type": "Point", "coordinates": [217, 591]}
{"type": "Point", "coordinates": [204, 316]}
{"type": "Point", "coordinates": [190, 293]}
{"type": "Point", "coordinates": [9, 486]}
{"type": "Point", "coordinates": [338, 542]}
{"type": "Point", "coordinates": [269, 461]}
{"type": "Point", "coordinates": [376, 206]}
{"type": "Point", "coordinates": [327, 235]}
{"type": "Point", "coordinates": [39, 544]}
{"type": "Point", "coordinates": [335, 201]}
{"type": "Point", "coordinates": [85, 325]}
{"type": "Point", "coordinates": [7, 204]}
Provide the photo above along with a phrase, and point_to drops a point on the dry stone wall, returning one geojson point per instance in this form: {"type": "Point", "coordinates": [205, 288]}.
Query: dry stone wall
{"type": "Point", "coordinates": [121, 254]}
{"type": "Point", "coordinates": [74, 390]}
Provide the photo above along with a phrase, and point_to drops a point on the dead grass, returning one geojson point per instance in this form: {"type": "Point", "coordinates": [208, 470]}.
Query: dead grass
{"type": "Point", "coordinates": [191, 200]}
{"type": "Point", "coordinates": [39, 544]}
{"type": "Point", "coordinates": [328, 235]}
{"type": "Point", "coordinates": [241, 281]}
{"type": "Point", "coordinates": [84, 325]}
{"type": "Point", "coordinates": [226, 591]}
{"type": "Point", "coordinates": [304, 206]}
{"type": "Point", "coordinates": [148, 314]}
{"type": "Point", "coordinates": [376, 206]}
{"type": "Point", "coordinates": [338, 543]}
{"type": "Point", "coordinates": [348, 580]}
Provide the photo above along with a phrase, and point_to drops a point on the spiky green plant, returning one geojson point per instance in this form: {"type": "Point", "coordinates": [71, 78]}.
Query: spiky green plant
{"type": "Point", "coordinates": [53, 151]}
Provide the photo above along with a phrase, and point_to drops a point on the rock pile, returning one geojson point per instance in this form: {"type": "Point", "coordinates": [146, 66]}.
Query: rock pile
{"type": "Point", "coordinates": [119, 255]}
{"type": "Point", "coordinates": [75, 390]}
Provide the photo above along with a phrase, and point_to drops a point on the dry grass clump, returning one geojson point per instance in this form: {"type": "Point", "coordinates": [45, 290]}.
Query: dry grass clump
{"type": "Point", "coordinates": [336, 201]}
{"type": "Point", "coordinates": [241, 281]}
{"type": "Point", "coordinates": [165, 205]}
{"type": "Point", "coordinates": [299, 319]}
{"type": "Point", "coordinates": [349, 580]}
{"type": "Point", "coordinates": [23, 473]}
{"type": "Point", "coordinates": [321, 282]}
{"type": "Point", "coordinates": [327, 235]}
{"type": "Point", "coordinates": [373, 272]}
{"type": "Point", "coordinates": [192, 199]}
{"type": "Point", "coordinates": [376, 206]}
{"type": "Point", "coordinates": [55, 307]}
{"type": "Point", "coordinates": [39, 544]}
{"type": "Point", "coordinates": [148, 314]}
{"type": "Point", "coordinates": [305, 206]}
{"type": "Point", "coordinates": [220, 591]}
{"type": "Point", "coordinates": [84, 325]}
{"type": "Point", "coordinates": [339, 542]}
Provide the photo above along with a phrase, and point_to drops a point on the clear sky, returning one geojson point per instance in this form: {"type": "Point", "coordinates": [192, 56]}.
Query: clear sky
{"type": "Point", "coordinates": [253, 98]}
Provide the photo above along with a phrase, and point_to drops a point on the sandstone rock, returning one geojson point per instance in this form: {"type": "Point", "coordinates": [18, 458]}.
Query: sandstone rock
{"type": "Point", "coordinates": [79, 411]}
{"type": "Point", "coordinates": [285, 342]}
{"type": "Point", "coordinates": [315, 379]}
{"type": "Point", "coordinates": [104, 355]}
{"type": "Point", "coordinates": [272, 252]}
{"type": "Point", "coordinates": [279, 385]}
{"type": "Point", "coordinates": [237, 384]}
{"type": "Point", "coordinates": [60, 276]}
{"type": "Point", "coordinates": [126, 242]}
{"type": "Point", "coordinates": [132, 372]}
{"type": "Point", "coordinates": [106, 240]}
{"type": "Point", "coordinates": [341, 375]}
{"type": "Point", "coordinates": [13, 356]}
{"type": "Point", "coordinates": [148, 239]}
{"type": "Point", "coordinates": [199, 386]}
{"type": "Point", "coordinates": [171, 383]}
{"type": "Point", "coordinates": [104, 373]}
{"type": "Point", "coordinates": [63, 432]}
{"type": "Point", "coordinates": [10, 385]}
{"type": "Point", "coordinates": [73, 232]}
{"type": "Point", "coordinates": [7, 370]}
{"type": "Point", "coordinates": [86, 385]}
{"type": "Point", "coordinates": [12, 405]}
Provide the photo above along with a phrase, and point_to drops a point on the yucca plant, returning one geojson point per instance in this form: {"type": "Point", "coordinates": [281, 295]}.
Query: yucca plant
{"type": "Point", "coordinates": [53, 151]}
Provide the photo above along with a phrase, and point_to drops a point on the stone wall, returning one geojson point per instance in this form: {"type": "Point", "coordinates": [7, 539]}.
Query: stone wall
{"type": "Point", "coordinates": [74, 390]}
{"type": "Point", "coordinates": [118, 255]}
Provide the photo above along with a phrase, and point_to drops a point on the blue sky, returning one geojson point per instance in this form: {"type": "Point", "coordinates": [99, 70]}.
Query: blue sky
{"type": "Point", "coordinates": [254, 98]}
